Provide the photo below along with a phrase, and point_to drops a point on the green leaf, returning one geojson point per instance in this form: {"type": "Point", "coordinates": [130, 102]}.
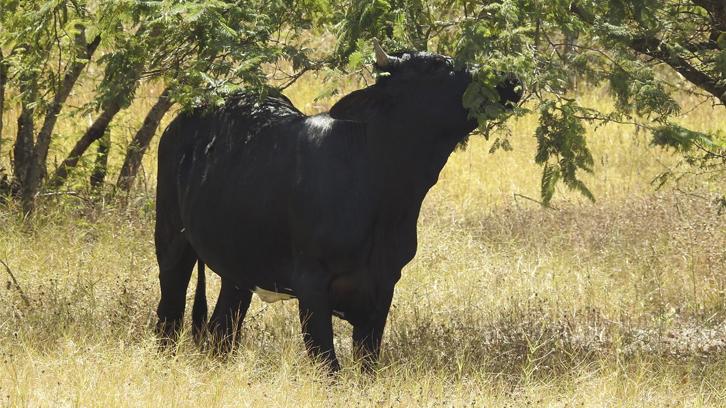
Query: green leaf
{"type": "Point", "coordinates": [550, 176]}
{"type": "Point", "coordinates": [671, 135]}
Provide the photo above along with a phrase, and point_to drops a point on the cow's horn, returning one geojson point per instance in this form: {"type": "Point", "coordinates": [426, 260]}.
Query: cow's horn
{"type": "Point", "coordinates": [381, 57]}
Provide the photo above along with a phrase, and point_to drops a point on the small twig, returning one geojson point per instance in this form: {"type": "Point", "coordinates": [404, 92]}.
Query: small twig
{"type": "Point", "coordinates": [15, 282]}
{"type": "Point", "coordinates": [292, 78]}
{"type": "Point", "coordinates": [719, 155]}
{"type": "Point", "coordinates": [528, 198]}
{"type": "Point", "coordinates": [62, 193]}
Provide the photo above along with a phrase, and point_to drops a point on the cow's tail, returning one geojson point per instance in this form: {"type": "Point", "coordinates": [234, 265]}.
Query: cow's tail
{"type": "Point", "coordinates": [199, 309]}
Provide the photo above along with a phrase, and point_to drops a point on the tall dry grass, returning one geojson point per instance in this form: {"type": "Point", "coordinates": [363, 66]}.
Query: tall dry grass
{"type": "Point", "coordinates": [616, 303]}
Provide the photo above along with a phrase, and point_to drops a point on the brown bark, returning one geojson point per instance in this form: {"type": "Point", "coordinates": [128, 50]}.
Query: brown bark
{"type": "Point", "coordinates": [85, 51]}
{"type": "Point", "coordinates": [36, 163]}
{"type": "Point", "coordinates": [3, 81]}
{"type": "Point", "coordinates": [93, 133]}
{"type": "Point", "coordinates": [658, 49]}
{"type": "Point", "coordinates": [717, 8]}
{"type": "Point", "coordinates": [23, 148]}
{"type": "Point", "coordinates": [100, 167]}
{"type": "Point", "coordinates": [141, 141]}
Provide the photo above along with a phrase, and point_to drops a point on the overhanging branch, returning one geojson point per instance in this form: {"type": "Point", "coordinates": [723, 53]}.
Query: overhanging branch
{"type": "Point", "coordinates": [658, 49]}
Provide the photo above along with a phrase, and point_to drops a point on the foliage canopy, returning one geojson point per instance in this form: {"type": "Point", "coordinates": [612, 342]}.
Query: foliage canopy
{"type": "Point", "coordinates": [642, 51]}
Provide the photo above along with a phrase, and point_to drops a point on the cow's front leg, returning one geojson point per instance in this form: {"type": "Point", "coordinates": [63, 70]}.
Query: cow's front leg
{"type": "Point", "coordinates": [316, 318]}
{"type": "Point", "coordinates": [367, 338]}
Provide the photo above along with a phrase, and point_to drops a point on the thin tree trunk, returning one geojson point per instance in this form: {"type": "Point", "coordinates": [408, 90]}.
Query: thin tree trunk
{"type": "Point", "coordinates": [569, 51]}
{"type": "Point", "coordinates": [93, 133]}
{"type": "Point", "coordinates": [100, 167]}
{"type": "Point", "coordinates": [141, 141]}
{"type": "Point", "coordinates": [24, 141]}
{"type": "Point", "coordinates": [85, 52]}
{"type": "Point", "coordinates": [37, 161]}
{"type": "Point", "coordinates": [3, 81]}
{"type": "Point", "coordinates": [23, 157]}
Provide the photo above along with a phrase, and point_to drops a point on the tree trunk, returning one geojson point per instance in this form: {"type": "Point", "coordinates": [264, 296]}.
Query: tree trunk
{"type": "Point", "coordinates": [141, 141]}
{"type": "Point", "coordinates": [100, 167]}
{"type": "Point", "coordinates": [4, 185]}
{"type": "Point", "coordinates": [36, 163]}
{"type": "Point", "coordinates": [93, 133]}
{"type": "Point", "coordinates": [569, 52]}
{"type": "Point", "coordinates": [23, 149]}
{"type": "Point", "coordinates": [3, 81]}
{"type": "Point", "coordinates": [85, 51]}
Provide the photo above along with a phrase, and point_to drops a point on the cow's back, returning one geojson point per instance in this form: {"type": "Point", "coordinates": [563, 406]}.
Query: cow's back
{"type": "Point", "coordinates": [192, 139]}
{"type": "Point", "coordinates": [220, 171]}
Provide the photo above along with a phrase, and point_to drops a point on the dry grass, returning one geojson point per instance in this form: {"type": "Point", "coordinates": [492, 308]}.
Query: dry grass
{"type": "Point", "coordinates": [614, 304]}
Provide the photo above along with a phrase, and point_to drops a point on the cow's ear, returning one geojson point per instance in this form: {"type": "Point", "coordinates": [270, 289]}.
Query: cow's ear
{"type": "Point", "coordinates": [360, 106]}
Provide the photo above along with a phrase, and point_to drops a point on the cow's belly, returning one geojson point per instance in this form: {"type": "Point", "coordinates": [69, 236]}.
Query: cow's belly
{"type": "Point", "coordinates": [251, 256]}
{"type": "Point", "coordinates": [254, 234]}
{"type": "Point", "coordinates": [271, 296]}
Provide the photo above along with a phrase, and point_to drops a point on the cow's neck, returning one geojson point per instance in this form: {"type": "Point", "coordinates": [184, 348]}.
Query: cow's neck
{"type": "Point", "coordinates": [413, 157]}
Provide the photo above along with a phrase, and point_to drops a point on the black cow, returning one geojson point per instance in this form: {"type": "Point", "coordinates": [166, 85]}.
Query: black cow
{"type": "Point", "coordinates": [321, 208]}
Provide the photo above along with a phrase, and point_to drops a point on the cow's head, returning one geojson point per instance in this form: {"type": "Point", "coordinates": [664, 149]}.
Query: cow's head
{"type": "Point", "coordinates": [420, 88]}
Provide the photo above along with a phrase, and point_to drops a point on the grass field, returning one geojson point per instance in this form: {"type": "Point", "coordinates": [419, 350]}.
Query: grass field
{"type": "Point", "coordinates": [619, 303]}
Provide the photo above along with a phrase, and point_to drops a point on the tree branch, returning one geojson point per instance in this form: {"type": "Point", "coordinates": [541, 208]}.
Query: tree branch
{"type": "Point", "coordinates": [658, 49]}
{"type": "Point", "coordinates": [15, 282]}
{"type": "Point", "coordinates": [141, 141]}
{"type": "Point", "coordinates": [93, 133]}
{"type": "Point", "coordinates": [717, 8]}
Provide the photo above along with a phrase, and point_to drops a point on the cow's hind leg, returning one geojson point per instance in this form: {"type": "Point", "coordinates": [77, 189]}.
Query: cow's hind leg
{"type": "Point", "coordinates": [199, 310]}
{"type": "Point", "coordinates": [176, 259]}
{"type": "Point", "coordinates": [228, 315]}
{"type": "Point", "coordinates": [174, 280]}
